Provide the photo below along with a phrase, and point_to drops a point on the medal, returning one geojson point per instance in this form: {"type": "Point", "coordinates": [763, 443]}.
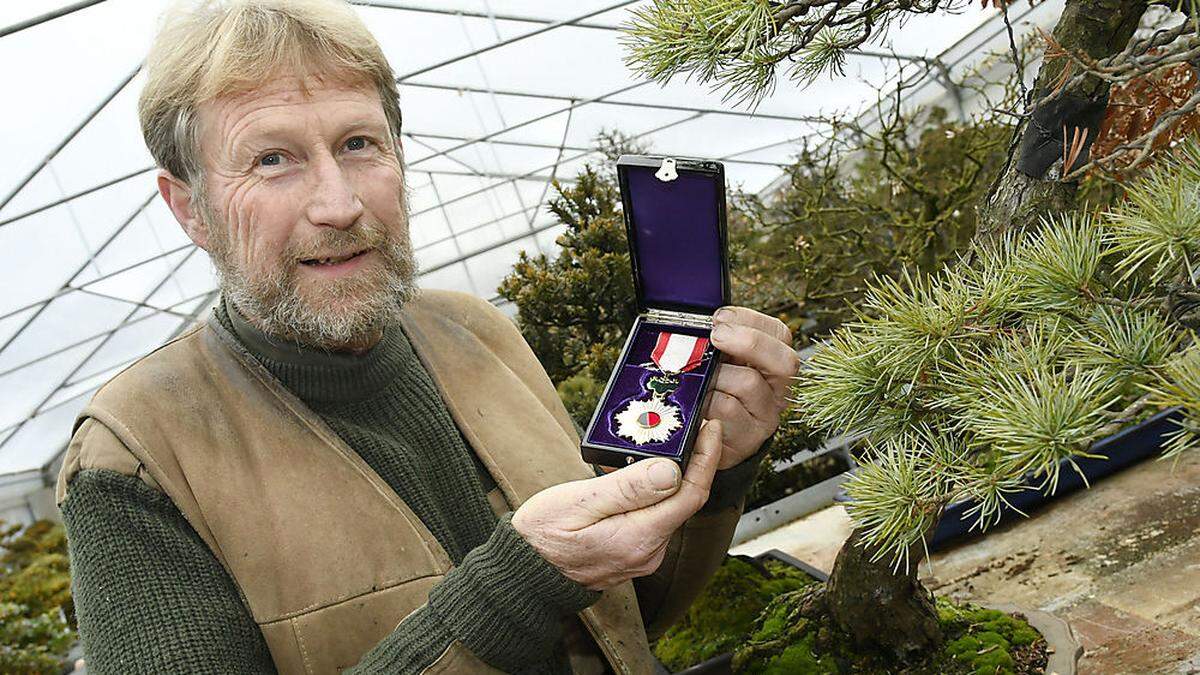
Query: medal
{"type": "Point", "coordinates": [654, 419]}
{"type": "Point", "coordinates": [648, 421]}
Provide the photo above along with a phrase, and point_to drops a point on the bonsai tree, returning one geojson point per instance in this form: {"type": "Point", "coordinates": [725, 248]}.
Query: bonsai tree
{"type": "Point", "coordinates": [1011, 366]}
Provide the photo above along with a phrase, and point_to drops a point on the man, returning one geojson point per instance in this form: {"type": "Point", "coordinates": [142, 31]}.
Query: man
{"type": "Point", "coordinates": [336, 472]}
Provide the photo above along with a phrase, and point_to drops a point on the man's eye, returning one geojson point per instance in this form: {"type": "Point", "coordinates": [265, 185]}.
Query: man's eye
{"type": "Point", "coordinates": [357, 143]}
{"type": "Point", "coordinates": [270, 159]}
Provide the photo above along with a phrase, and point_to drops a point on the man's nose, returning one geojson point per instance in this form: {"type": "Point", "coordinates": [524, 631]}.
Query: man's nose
{"type": "Point", "coordinates": [332, 200]}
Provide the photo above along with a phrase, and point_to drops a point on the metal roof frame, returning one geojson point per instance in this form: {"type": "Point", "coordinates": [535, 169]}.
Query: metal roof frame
{"type": "Point", "coordinates": [496, 179]}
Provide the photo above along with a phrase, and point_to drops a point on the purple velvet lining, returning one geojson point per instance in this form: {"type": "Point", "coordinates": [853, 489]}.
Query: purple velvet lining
{"type": "Point", "coordinates": [630, 384]}
{"type": "Point", "coordinates": [678, 238]}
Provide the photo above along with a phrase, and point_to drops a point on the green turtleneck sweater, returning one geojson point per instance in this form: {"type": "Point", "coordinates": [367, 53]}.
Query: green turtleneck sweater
{"type": "Point", "coordinates": [151, 597]}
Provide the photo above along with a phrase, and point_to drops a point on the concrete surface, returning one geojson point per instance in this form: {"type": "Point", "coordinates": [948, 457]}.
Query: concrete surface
{"type": "Point", "coordinates": [1120, 562]}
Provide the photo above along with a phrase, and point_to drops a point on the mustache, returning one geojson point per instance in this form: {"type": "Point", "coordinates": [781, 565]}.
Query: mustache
{"type": "Point", "coordinates": [355, 238]}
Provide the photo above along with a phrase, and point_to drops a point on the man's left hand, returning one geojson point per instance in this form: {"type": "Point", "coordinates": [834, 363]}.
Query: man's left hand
{"type": "Point", "coordinates": [751, 389]}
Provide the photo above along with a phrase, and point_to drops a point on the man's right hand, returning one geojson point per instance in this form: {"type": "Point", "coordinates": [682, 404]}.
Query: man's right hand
{"type": "Point", "coordinates": [603, 531]}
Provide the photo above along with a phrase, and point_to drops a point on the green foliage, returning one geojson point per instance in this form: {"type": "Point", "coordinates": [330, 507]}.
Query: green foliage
{"type": "Point", "coordinates": [898, 489]}
{"type": "Point", "coordinates": [1156, 231]}
{"type": "Point", "coordinates": [35, 568]}
{"type": "Point", "coordinates": [807, 252]}
{"type": "Point", "coordinates": [738, 45]}
{"type": "Point", "coordinates": [37, 618]}
{"type": "Point", "coordinates": [574, 309]}
{"type": "Point", "coordinates": [721, 618]}
{"type": "Point", "coordinates": [1126, 346]}
{"type": "Point", "coordinates": [790, 637]}
{"type": "Point", "coordinates": [581, 392]}
{"type": "Point", "coordinates": [32, 643]}
{"type": "Point", "coordinates": [1178, 384]}
{"type": "Point", "coordinates": [1011, 363]}
{"type": "Point", "coordinates": [724, 42]}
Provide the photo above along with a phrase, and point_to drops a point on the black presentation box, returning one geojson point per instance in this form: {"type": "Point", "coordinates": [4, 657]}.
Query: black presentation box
{"type": "Point", "coordinates": [674, 211]}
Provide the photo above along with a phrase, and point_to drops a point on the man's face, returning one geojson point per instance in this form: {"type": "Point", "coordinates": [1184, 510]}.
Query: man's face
{"type": "Point", "coordinates": [305, 209]}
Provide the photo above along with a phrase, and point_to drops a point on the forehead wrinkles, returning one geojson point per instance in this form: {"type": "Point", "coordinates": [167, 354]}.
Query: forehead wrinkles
{"type": "Point", "coordinates": [232, 115]}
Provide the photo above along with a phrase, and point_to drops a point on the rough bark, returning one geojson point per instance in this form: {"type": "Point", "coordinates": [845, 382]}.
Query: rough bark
{"type": "Point", "coordinates": [1098, 28]}
{"type": "Point", "coordinates": [879, 609]}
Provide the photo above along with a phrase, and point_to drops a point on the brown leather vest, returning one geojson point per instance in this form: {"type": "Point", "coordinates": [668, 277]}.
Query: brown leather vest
{"type": "Point", "coordinates": [327, 557]}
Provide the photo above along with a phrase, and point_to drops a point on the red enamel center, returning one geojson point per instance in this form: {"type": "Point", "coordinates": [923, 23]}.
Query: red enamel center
{"type": "Point", "coordinates": [649, 419]}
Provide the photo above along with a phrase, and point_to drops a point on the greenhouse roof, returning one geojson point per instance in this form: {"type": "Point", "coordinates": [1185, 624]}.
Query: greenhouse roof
{"type": "Point", "coordinates": [499, 99]}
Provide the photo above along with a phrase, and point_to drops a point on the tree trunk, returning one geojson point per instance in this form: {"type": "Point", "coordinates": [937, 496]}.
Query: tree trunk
{"type": "Point", "coordinates": [878, 608]}
{"type": "Point", "coordinates": [1017, 201]}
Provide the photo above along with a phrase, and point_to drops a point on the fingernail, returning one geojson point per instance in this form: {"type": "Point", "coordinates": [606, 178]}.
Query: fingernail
{"type": "Point", "coordinates": [664, 475]}
{"type": "Point", "coordinates": [711, 426]}
{"type": "Point", "coordinates": [722, 333]}
{"type": "Point", "coordinates": [723, 315]}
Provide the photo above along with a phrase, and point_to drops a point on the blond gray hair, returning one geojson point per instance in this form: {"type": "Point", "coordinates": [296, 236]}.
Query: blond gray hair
{"type": "Point", "coordinates": [215, 48]}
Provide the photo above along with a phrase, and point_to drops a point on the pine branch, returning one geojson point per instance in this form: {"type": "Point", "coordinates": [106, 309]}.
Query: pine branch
{"type": "Point", "coordinates": [1156, 232]}
{"type": "Point", "coordinates": [898, 494]}
{"type": "Point", "coordinates": [1058, 269]}
{"type": "Point", "coordinates": [1178, 384]}
{"type": "Point", "coordinates": [1026, 354]}
{"type": "Point", "coordinates": [736, 45]}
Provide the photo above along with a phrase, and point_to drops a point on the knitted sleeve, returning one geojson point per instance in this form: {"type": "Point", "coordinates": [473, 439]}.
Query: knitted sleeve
{"type": "Point", "coordinates": [505, 603]}
{"type": "Point", "coordinates": [149, 594]}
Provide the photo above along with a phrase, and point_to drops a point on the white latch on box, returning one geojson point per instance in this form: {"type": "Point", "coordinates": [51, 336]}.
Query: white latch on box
{"type": "Point", "coordinates": [666, 173]}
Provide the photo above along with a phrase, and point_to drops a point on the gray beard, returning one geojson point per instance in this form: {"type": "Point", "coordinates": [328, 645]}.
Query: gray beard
{"type": "Point", "coordinates": [344, 314]}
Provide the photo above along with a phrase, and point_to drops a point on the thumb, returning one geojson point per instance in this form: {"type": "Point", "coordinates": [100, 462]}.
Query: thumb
{"type": "Point", "coordinates": [632, 487]}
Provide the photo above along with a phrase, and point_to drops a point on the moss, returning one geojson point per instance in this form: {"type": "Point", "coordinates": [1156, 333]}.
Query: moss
{"type": "Point", "coordinates": [981, 640]}
{"type": "Point", "coordinates": [722, 617]}
{"type": "Point", "coordinates": [783, 641]}
{"type": "Point", "coordinates": [799, 658]}
{"type": "Point", "coordinates": [986, 652]}
{"type": "Point", "coordinates": [792, 635]}
{"type": "Point", "coordinates": [777, 625]}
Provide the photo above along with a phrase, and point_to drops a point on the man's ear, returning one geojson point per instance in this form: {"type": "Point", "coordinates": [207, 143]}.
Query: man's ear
{"type": "Point", "coordinates": [178, 197]}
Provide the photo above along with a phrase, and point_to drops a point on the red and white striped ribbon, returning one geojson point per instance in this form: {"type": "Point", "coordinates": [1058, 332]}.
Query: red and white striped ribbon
{"type": "Point", "coordinates": [675, 353]}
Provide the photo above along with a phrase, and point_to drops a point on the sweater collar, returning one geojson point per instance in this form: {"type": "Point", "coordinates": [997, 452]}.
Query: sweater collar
{"type": "Point", "coordinates": [318, 376]}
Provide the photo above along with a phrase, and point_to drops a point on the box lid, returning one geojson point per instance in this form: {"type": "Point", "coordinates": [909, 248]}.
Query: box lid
{"type": "Point", "coordinates": [675, 219]}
